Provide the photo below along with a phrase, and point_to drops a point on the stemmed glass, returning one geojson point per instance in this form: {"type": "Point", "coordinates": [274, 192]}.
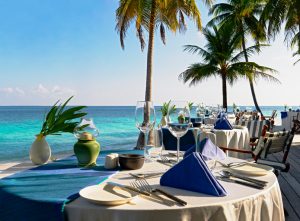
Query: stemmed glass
{"type": "Point", "coordinates": [145, 121]}
{"type": "Point", "coordinates": [178, 121]}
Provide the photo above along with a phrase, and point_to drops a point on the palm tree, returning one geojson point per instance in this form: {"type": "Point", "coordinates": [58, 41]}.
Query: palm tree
{"type": "Point", "coordinates": [242, 16]}
{"type": "Point", "coordinates": [277, 12]}
{"type": "Point", "coordinates": [221, 57]}
{"type": "Point", "coordinates": [150, 15]}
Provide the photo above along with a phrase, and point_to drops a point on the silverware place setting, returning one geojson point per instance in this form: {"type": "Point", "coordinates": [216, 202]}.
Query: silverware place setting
{"type": "Point", "coordinates": [143, 185]}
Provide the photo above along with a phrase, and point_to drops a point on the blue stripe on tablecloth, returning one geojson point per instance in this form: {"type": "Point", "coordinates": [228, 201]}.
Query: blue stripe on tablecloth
{"type": "Point", "coordinates": [41, 193]}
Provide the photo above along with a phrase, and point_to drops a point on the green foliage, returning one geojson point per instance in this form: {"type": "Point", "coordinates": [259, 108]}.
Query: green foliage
{"type": "Point", "coordinates": [165, 107]}
{"type": "Point", "coordinates": [59, 119]}
{"type": "Point", "coordinates": [190, 105]}
{"type": "Point", "coordinates": [168, 15]}
{"type": "Point", "coordinates": [221, 57]}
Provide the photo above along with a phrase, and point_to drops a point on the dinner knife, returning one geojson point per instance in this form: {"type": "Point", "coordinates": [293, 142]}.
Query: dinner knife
{"type": "Point", "coordinates": [129, 188]}
{"type": "Point", "coordinates": [170, 196]}
{"type": "Point", "coordinates": [241, 182]}
{"type": "Point", "coordinates": [249, 179]}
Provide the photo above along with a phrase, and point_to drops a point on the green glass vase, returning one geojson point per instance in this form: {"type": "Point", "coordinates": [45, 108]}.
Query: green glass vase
{"type": "Point", "coordinates": [87, 152]}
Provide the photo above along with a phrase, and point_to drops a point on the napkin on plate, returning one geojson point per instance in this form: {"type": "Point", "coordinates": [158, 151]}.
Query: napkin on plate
{"type": "Point", "coordinates": [208, 150]}
{"type": "Point", "coordinates": [223, 124]}
{"type": "Point", "coordinates": [193, 174]}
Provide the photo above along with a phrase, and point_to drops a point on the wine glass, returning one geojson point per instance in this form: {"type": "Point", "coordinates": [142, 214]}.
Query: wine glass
{"type": "Point", "coordinates": [178, 121]}
{"type": "Point", "coordinates": [145, 121]}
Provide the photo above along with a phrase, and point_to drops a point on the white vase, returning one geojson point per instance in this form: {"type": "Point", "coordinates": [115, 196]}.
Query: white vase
{"type": "Point", "coordinates": [40, 151]}
{"type": "Point", "coordinates": [163, 121]}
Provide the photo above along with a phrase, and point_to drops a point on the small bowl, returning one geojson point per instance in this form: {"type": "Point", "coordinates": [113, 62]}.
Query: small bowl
{"type": "Point", "coordinates": [131, 161]}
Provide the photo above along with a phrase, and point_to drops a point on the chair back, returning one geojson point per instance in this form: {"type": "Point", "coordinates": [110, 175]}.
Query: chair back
{"type": "Point", "coordinates": [170, 142]}
{"type": "Point", "coordinates": [274, 142]}
{"type": "Point", "coordinates": [255, 127]}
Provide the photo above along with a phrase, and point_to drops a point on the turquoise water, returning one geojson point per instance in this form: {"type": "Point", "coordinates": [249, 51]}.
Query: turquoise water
{"type": "Point", "coordinates": [18, 126]}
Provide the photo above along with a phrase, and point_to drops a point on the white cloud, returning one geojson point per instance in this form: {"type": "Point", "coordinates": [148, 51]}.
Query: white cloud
{"type": "Point", "coordinates": [41, 89]}
{"type": "Point", "coordinates": [19, 91]}
{"type": "Point", "coordinates": [61, 90]}
{"type": "Point", "coordinates": [7, 90]}
{"type": "Point", "coordinates": [12, 91]}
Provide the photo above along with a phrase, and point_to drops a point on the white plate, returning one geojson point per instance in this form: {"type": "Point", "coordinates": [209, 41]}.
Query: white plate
{"type": "Point", "coordinates": [238, 127]}
{"type": "Point", "coordinates": [251, 169]}
{"type": "Point", "coordinates": [107, 195]}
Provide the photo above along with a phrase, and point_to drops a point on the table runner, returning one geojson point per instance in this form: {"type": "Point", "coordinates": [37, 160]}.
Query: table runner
{"type": "Point", "coordinates": [42, 192]}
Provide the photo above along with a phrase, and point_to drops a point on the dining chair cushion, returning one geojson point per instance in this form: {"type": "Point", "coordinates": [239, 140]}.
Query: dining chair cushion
{"type": "Point", "coordinates": [170, 142]}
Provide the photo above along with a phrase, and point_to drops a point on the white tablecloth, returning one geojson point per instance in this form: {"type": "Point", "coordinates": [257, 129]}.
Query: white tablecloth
{"type": "Point", "coordinates": [287, 122]}
{"type": "Point", "coordinates": [242, 203]}
{"type": "Point", "coordinates": [236, 138]}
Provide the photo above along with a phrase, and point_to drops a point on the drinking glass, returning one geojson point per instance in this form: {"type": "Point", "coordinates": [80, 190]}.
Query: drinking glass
{"type": "Point", "coordinates": [154, 148]}
{"type": "Point", "coordinates": [145, 120]}
{"type": "Point", "coordinates": [178, 121]}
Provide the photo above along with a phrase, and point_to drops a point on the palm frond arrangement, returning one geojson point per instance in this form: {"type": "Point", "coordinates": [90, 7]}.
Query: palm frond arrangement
{"type": "Point", "coordinates": [190, 105]}
{"type": "Point", "coordinates": [59, 119]}
{"type": "Point", "coordinates": [165, 107]}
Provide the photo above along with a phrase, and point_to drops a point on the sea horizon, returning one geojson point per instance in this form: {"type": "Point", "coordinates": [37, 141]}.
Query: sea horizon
{"type": "Point", "coordinates": [20, 124]}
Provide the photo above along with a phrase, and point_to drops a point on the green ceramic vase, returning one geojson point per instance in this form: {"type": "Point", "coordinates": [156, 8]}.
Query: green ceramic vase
{"type": "Point", "coordinates": [86, 152]}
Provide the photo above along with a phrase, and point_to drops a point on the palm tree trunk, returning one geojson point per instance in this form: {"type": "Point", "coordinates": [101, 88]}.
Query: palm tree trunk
{"type": "Point", "coordinates": [148, 92]}
{"type": "Point", "coordinates": [224, 90]}
{"type": "Point", "coordinates": [250, 79]}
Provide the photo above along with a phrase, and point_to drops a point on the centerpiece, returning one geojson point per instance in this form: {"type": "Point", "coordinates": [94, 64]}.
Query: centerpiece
{"type": "Point", "coordinates": [164, 112]}
{"type": "Point", "coordinates": [87, 148]}
{"type": "Point", "coordinates": [58, 120]}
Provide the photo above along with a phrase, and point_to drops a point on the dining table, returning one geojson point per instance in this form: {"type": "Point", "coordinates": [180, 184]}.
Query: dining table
{"type": "Point", "coordinates": [242, 202]}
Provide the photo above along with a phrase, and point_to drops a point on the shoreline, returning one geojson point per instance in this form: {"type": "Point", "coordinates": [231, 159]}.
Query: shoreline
{"type": "Point", "coordinates": [10, 168]}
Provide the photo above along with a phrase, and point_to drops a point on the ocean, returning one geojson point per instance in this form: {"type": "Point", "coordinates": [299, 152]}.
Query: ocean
{"type": "Point", "coordinates": [19, 125]}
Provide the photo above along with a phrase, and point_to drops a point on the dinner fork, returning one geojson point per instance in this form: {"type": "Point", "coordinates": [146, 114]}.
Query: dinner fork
{"type": "Point", "coordinates": [166, 160]}
{"type": "Point", "coordinates": [143, 185]}
{"type": "Point", "coordinates": [232, 164]}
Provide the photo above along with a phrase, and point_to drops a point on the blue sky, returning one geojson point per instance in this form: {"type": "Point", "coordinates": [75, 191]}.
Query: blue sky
{"type": "Point", "coordinates": [52, 49]}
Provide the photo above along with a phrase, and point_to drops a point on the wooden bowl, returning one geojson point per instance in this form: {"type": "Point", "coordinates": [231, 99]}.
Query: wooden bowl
{"type": "Point", "coordinates": [131, 161]}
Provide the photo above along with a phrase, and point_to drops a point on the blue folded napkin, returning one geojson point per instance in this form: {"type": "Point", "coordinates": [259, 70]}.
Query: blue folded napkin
{"type": "Point", "coordinates": [284, 114]}
{"type": "Point", "coordinates": [193, 174]}
{"type": "Point", "coordinates": [208, 150]}
{"type": "Point", "coordinates": [223, 124]}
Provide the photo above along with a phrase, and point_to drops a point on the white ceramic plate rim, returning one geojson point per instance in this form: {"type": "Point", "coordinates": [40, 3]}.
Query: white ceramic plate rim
{"type": "Point", "coordinates": [264, 170]}
{"type": "Point", "coordinates": [118, 201]}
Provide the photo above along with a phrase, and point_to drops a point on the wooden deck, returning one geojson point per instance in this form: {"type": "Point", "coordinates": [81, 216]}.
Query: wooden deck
{"type": "Point", "coordinates": [290, 182]}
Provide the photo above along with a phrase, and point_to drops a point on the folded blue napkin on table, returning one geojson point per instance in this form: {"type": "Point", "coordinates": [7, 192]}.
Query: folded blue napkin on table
{"type": "Point", "coordinates": [208, 150]}
{"type": "Point", "coordinates": [193, 174]}
{"type": "Point", "coordinates": [223, 124]}
{"type": "Point", "coordinates": [284, 114]}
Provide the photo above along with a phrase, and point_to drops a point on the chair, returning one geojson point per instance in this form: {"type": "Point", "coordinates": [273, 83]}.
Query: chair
{"type": "Point", "coordinates": [296, 123]}
{"type": "Point", "coordinates": [271, 142]}
{"type": "Point", "coordinates": [170, 142]}
{"type": "Point", "coordinates": [255, 128]}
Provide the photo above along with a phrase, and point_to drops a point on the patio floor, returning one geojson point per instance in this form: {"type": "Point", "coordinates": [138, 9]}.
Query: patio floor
{"type": "Point", "coordinates": [290, 182]}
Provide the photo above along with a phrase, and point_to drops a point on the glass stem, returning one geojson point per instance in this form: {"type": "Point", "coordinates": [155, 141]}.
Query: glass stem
{"type": "Point", "coordinates": [178, 148]}
{"type": "Point", "coordinates": [145, 143]}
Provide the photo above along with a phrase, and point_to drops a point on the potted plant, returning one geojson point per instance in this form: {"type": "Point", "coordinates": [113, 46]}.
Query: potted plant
{"type": "Point", "coordinates": [164, 112]}
{"type": "Point", "coordinates": [58, 120]}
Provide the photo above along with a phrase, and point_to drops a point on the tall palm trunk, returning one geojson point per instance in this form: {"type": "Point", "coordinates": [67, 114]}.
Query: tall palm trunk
{"type": "Point", "coordinates": [148, 92]}
{"type": "Point", "coordinates": [250, 79]}
{"type": "Point", "coordinates": [224, 90]}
